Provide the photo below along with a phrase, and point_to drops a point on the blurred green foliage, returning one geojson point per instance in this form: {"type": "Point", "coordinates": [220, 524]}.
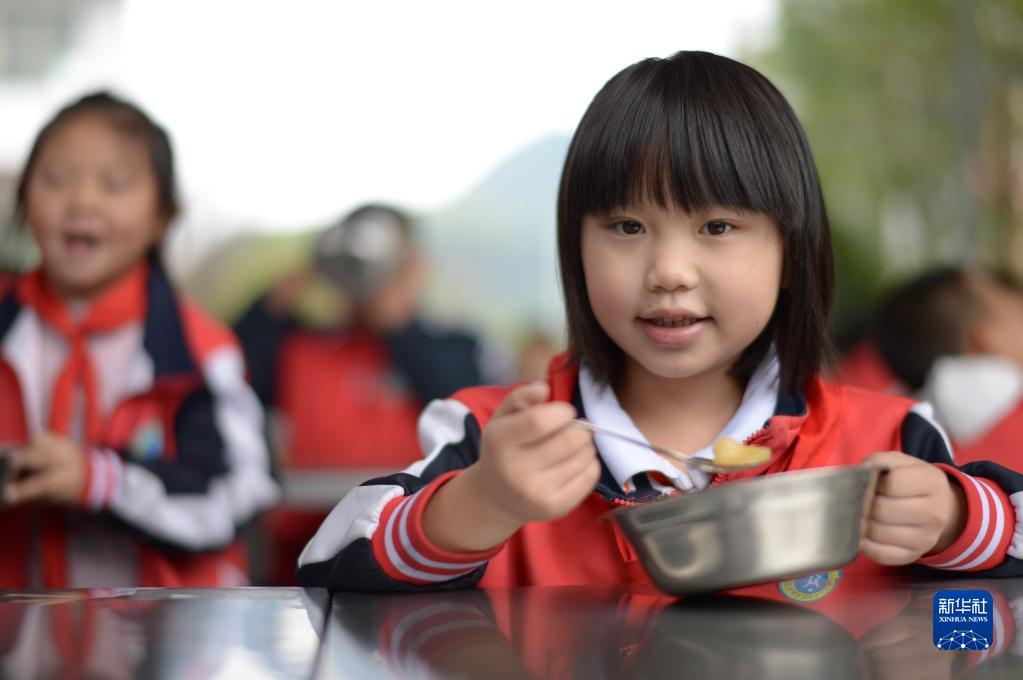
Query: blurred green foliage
{"type": "Point", "coordinates": [914, 110]}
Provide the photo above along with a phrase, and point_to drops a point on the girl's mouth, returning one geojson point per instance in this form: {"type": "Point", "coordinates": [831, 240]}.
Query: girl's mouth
{"type": "Point", "coordinates": [675, 323]}
{"type": "Point", "coordinates": [674, 331]}
{"type": "Point", "coordinates": [80, 244]}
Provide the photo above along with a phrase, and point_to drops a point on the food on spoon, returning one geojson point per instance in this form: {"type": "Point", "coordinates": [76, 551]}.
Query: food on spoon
{"type": "Point", "coordinates": [730, 453]}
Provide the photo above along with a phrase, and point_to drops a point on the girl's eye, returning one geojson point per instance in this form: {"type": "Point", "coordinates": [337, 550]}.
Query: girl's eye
{"type": "Point", "coordinates": [116, 184]}
{"type": "Point", "coordinates": [54, 180]}
{"type": "Point", "coordinates": [627, 227]}
{"type": "Point", "coordinates": [716, 228]}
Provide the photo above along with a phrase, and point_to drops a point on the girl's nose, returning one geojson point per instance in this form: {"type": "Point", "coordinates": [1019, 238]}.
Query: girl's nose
{"type": "Point", "coordinates": [671, 267]}
{"type": "Point", "coordinates": [84, 194]}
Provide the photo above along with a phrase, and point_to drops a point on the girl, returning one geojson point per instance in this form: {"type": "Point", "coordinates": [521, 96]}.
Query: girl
{"type": "Point", "coordinates": [141, 449]}
{"type": "Point", "coordinates": [697, 271]}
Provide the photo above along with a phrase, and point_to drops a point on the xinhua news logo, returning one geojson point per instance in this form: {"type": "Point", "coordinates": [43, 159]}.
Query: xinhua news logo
{"type": "Point", "coordinates": [963, 619]}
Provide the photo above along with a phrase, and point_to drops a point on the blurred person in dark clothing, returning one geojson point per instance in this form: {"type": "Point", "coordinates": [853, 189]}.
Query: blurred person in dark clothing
{"type": "Point", "coordinates": [349, 396]}
{"type": "Point", "coordinates": [955, 336]}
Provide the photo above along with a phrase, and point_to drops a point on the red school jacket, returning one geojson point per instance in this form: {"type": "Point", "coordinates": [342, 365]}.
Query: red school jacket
{"type": "Point", "coordinates": [180, 463]}
{"type": "Point", "coordinates": [374, 541]}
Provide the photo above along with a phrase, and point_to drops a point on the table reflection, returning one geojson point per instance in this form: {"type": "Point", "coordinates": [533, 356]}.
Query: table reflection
{"type": "Point", "coordinates": [614, 632]}
{"type": "Point", "coordinates": [159, 633]}
{"type": "Point", "coordinates": [864, 630]}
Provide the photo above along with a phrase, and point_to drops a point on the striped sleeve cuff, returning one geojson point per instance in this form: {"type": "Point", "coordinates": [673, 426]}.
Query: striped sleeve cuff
{"type": "Point", "coordinates": [405, 553]}
{"type": "Point", "coordinates": [990, 522]}
{"type": "Point", "coordinates": [1016, 546]}
{"type": "Point", "coordinates": [103, 470]}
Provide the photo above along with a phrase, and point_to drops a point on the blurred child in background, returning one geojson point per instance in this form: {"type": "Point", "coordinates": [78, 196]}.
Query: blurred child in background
{"type": "Point", "coordinates": [347, 396]}
{"type": "Point", "coordinates": [138, 443]}
{"type": "Point", "coordinates": [954, 335]}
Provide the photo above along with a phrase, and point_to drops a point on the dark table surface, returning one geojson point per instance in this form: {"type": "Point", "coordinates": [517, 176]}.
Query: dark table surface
{"type": "Point", "coordinates": [569, 632]}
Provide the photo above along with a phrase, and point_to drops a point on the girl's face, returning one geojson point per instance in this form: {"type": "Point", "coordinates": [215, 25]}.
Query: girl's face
{"type": "Point", "coordinates": [91, 203]}
{"type": "Point", "coordinates": [681, 294]}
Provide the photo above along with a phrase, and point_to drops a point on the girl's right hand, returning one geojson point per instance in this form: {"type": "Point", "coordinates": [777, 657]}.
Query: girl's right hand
{"type": "Point", "coordinates": [533, 465]}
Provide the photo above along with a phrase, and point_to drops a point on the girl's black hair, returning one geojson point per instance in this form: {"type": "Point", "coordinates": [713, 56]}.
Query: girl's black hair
{"type": "Point", "coordinates": [125, 117]}
{"type": "Point", "coordinates": [698, 130]}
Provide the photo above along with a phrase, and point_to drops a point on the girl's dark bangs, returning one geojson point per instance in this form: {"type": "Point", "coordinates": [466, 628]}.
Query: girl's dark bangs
{"type": "Point", "coordinates": [695, 158]}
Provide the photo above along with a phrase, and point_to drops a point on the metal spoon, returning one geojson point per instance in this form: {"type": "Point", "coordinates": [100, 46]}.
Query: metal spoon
{"type": "Point", "coordinates": [704, 464]}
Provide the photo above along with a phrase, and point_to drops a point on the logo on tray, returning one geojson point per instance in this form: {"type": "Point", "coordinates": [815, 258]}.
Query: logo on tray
{"type": "Point", "coordinates": [810, 588]}
{"type": "Point", "coordinates": [963, 619]}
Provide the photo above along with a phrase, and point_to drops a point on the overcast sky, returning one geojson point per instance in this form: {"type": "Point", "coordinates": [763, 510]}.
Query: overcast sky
{"type": "Point", "coordinates": [285, 114]}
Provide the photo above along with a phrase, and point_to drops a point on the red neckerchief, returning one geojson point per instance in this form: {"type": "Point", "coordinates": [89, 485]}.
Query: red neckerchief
{"type": "Point", "coordinates": [122, 303]}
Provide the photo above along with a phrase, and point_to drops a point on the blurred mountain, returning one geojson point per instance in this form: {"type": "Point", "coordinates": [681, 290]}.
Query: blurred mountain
{"type": "Point", "coordinates": [494, 250]}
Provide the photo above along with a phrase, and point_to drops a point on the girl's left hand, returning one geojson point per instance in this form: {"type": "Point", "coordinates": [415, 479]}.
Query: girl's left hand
{"type": "Point", "coordinates": [50, 469]}
{"type": "Point", "coordinates": [917, 510]}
